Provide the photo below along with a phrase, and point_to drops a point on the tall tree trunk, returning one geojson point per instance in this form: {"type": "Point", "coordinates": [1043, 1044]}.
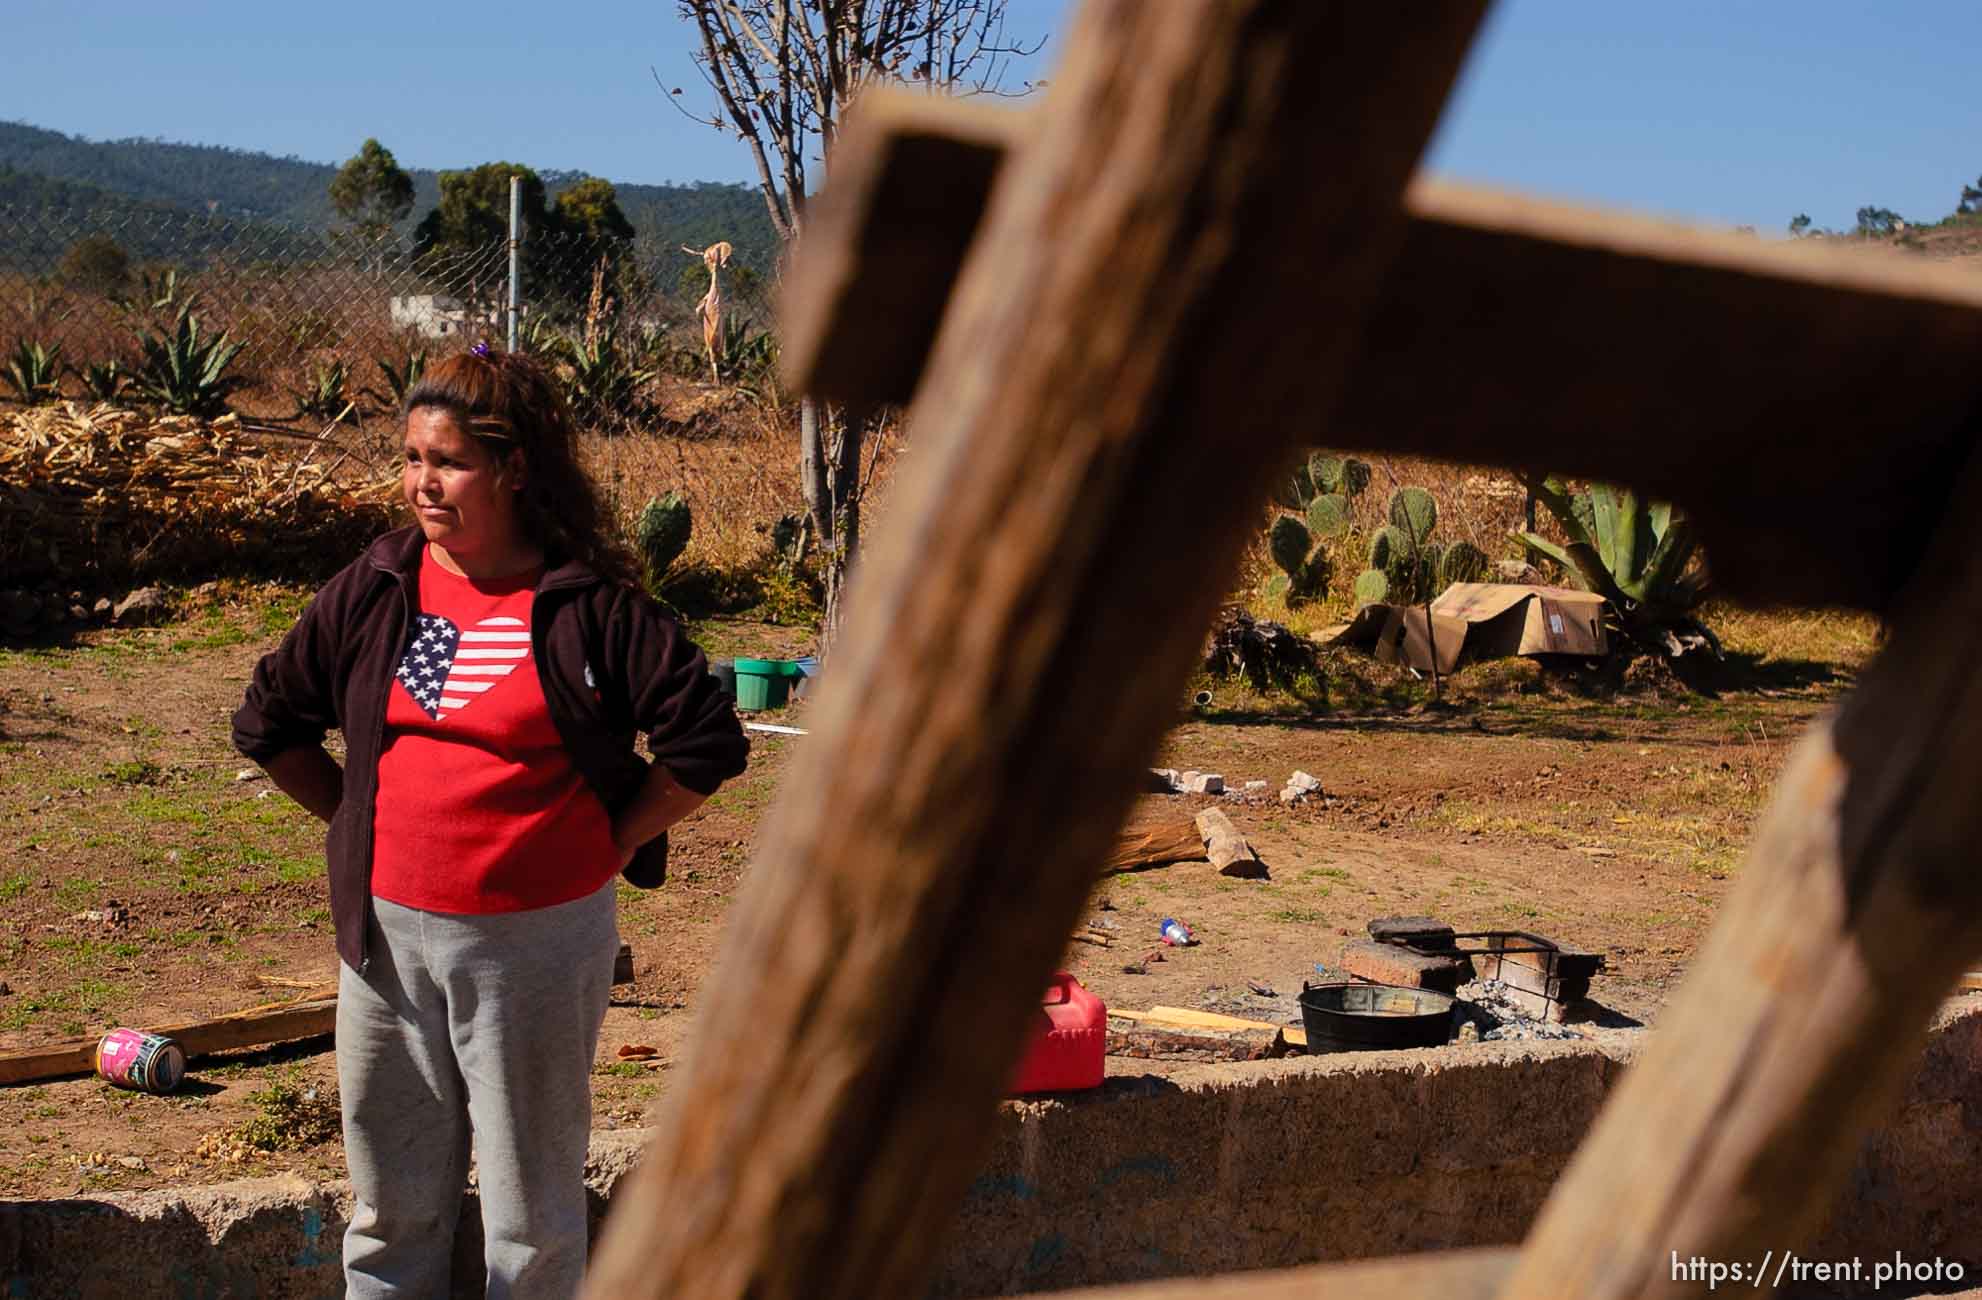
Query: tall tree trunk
{"type": "Point", "coordinates": [812, 471]}
{"type": "Point", "coordinates": [841, 470]}
{"type": "Point", "coordinates": [830, 446]}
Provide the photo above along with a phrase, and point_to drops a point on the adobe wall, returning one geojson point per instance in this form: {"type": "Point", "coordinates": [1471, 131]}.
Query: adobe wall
{"type": "Point", "coordinates": [1214, 1169]}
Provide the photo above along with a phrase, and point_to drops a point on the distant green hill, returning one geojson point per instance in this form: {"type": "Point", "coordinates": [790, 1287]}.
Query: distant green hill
{"type": "Point", "coordinates": [153, 176]}
{"type": "Point", "coordinates": [40, 216]}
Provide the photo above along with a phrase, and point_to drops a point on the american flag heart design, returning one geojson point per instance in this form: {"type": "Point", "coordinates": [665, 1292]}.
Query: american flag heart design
{"type": "Point", "coordinates": [445, 668]}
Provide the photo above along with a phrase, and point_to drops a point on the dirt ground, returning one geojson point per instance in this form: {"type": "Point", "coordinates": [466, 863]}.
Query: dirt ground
{"type": "Point", "coordinates": [148, 875]}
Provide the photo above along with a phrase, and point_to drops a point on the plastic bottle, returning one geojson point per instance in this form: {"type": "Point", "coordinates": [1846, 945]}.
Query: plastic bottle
{"type": "Point", "coordinates": [1176, 933]}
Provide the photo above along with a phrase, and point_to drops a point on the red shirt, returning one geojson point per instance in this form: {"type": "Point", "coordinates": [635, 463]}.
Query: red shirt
{"type": "Point", "coordinates": [479, 808]}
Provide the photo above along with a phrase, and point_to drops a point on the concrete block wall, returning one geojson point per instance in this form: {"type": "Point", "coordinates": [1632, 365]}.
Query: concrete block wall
{"type": "Point", "coordinates": [1215, 1169]}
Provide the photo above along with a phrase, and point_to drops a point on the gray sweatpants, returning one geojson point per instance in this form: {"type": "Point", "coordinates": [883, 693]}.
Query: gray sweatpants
{"type": "Point", "coordinates": [472, 1023]}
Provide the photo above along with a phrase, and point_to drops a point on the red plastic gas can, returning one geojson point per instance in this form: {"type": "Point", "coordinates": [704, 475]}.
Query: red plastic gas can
{"type": "Point", "coordinates": [1067, 1046]}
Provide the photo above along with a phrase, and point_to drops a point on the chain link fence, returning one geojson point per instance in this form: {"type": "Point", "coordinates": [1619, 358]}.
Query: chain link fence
{"type": "Point", "coordinates": [326, 320]}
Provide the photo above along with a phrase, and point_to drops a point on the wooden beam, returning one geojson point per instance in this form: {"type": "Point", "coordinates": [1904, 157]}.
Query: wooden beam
{"type": "Point", "coordinates": [915, 884]}
{"type": "Point", "coordinates": [1859, 907]}
{"type": "Point", "coordinates": [1434, 1275]}
{"type": "Point", "coordinates": [275, 1022]}
{"type": "Point", "coordinates": [1809, 405]}
{"type": "Point", "coordinates": [1702, 366]}
{"type": "Point", "coordinates": [911, 177]}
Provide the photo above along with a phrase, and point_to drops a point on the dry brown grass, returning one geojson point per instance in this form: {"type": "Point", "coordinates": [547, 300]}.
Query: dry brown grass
{"type": "Point", "coordinates": [739, 474]}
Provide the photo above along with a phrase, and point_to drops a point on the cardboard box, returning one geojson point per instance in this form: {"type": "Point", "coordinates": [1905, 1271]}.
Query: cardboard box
{"type": "Point", "coordinates": [1482, 620]}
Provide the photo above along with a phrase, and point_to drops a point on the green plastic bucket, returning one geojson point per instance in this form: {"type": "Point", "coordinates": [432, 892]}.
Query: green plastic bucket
{"type": "Point", "coordinates": [764, 683]}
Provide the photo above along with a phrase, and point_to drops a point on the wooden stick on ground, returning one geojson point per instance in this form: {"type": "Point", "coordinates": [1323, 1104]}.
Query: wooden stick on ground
{"type": "Point", "coordinates": [917, 880]}
{"type": "Point", "coordinates": [308, 1016]}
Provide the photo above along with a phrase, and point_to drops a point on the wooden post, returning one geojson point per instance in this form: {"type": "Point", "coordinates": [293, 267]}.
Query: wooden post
{"type": "Point", "coordinates": [1860, 905]}
{"type": "Point", "coordinates": [1699, 366]}
{"type": "Point", "coordinates": [1111, 384]}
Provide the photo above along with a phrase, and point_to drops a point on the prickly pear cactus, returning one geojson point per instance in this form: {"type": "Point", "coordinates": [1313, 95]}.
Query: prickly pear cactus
{"type": "Point", "coordinates": [1415, 511]}
{"type": "Point", "coordinates": [1289, 542]}
{"type": "Point", "coordinates": [1463, 562]}
{"type": "Point", "coordinates": [1325, 472]}
{"type": "Point", "coordinates": [662, 532]}
{"type": "Point", "coordinates": [1372, 588]}
{"type": "Point", "coordinates": [1313, 578]}
{"type": "Point", "coordinates": [1355, 477]}
{"type": "Point", "coordinates": [1424, 574]}
{"type": "Point", "coordinates": [1328, 516]}
{"type": "Point", "coordinates": [1390, 549]}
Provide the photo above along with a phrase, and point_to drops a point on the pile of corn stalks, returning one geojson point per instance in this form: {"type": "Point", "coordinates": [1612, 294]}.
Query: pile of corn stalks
{"type": "Point", "coordinates": [104, 494]}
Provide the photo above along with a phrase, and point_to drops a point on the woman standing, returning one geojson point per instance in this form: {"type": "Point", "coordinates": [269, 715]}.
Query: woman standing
{"type": "Point", "coordinates": [490, 669]}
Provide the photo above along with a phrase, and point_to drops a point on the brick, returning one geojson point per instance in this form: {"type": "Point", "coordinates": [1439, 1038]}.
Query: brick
{"type": "Point", "coordinates": [1388, 964]}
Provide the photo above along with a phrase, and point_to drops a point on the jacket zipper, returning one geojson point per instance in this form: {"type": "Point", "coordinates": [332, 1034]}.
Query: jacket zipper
{"type": "Point", "coordinates": [371, 804]}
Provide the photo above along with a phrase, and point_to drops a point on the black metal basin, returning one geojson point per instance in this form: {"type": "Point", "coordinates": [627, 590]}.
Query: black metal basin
{"type": "Point", "coordinates": [1373, 1017]}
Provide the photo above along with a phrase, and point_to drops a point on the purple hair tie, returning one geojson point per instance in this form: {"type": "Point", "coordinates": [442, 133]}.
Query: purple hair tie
{"type": "Point", "coordinates": [481, 350]}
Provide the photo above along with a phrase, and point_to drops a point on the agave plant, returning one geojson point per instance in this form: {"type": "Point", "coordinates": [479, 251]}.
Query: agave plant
{"type": "Point", "coordinates": [1635, 554]}
{"type": "Point", "coordinates": [34, 372]}
{"type": "Point", "coordinates": [744, 358]}
{"type": "Point", "coordinates": [105, 381]}
{"type": "Point", "coordinates": [157, 293]}
{"type": "Point", "coordinates": [601, 379]}
{"type": "Point", "coordinates": [325, 399]}
{"type": "Point", "coordinates": [186, 371]}
{"type": "Point", "coordinates": [399, 380]}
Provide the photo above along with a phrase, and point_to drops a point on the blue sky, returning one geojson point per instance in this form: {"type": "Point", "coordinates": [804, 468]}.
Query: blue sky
{"type": "Point", "coordinates": [1736, 111]}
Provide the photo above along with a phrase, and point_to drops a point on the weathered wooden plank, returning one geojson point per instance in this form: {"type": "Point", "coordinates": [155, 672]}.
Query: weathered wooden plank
{"type": "Point", "coordinates": [884, 242]}
{"type": "Point", "coordinates": [1435, 1275]}
{"type": "Point", "coordinates": [275, 1022]}
{"type": "Point", "coordinates": [917, 880]}
{"type": "Point", "coordinates": [1771, 388]}
{"type": "Point", "coordinates": [1191, 1018]}
{"type": "Point", "coordinates": [1702, 366]}
{"type": "Point", "coordinates": [1859, 907]}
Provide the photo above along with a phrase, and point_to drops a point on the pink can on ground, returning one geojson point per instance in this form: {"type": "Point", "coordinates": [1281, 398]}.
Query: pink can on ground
{"type": "Point", "coordinates": [132, 1058]}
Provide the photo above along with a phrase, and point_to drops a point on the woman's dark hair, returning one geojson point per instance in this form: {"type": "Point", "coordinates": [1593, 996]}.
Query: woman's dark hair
{"type": "Point", "coordinates": [508, 402]}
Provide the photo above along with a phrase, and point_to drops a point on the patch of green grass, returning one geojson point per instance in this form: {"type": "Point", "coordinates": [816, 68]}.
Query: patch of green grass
{"type": "Point", "coordinates": [14, 886]}
{"type": "Point", "coordinates": [138, 771]}
{"type": "Point", "coordinates": [85, 999]}
{"type": "Point", "coordinates": [743, 796]}
{"type": "Point", "coordinates": [170, 809]}
{"type": "Point", "coordinates": [86, 953]}
{"type": "Point", "coordinates": [622, 1069]}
